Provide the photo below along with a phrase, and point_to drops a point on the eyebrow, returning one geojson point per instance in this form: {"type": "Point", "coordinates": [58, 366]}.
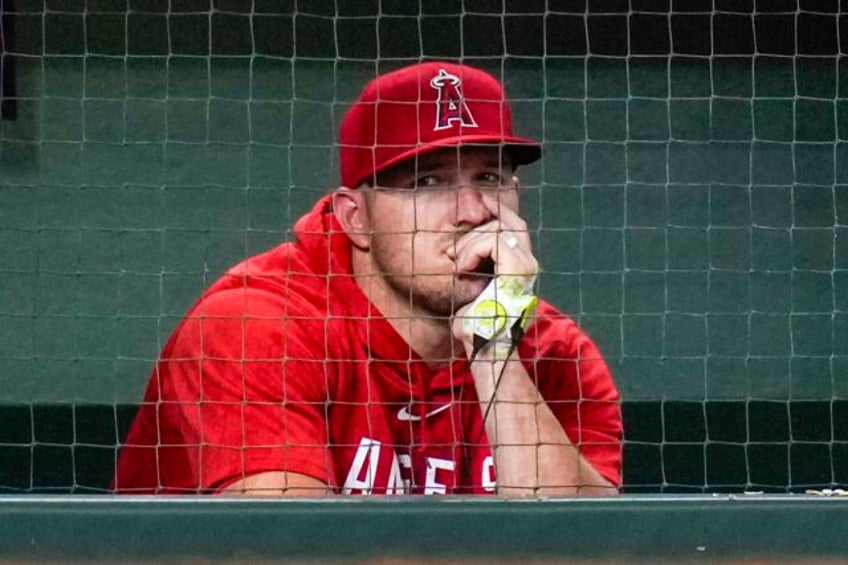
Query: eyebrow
{"type": "Point", "coordinates": [430, 164]}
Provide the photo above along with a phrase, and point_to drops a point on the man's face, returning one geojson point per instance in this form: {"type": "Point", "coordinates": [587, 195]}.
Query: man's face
{"type": "Point", "coordinates": [419, 209]}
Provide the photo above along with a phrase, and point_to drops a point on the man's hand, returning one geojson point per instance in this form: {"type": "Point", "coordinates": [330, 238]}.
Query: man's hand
{"type": "Point", "coordinates": [505, 242]}
{"type": "Point", "coordinates": [504, 239]}
{"type": "Point", "coordinates": [533, 454]}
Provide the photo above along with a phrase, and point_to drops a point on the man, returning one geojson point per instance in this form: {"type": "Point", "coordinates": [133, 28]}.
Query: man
{"type": "Point", "coordinates": [396, 345]}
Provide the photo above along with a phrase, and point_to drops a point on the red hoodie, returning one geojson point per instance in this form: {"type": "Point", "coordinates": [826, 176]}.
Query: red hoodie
{"type": "Point", "coordinates": [285, 365]}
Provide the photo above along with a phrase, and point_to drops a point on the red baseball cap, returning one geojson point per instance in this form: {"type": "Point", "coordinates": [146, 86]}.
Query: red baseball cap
{"type": "Point", "coordinates": [421, 108]}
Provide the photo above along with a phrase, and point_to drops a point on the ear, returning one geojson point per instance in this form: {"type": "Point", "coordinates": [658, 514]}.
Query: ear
{"type": "Point", "coordinates": [349, 207]}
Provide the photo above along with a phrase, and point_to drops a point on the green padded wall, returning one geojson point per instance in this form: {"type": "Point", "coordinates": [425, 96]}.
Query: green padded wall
{"type": "Point", "coordinates": [699, 241]}
{"type": "Point", "coordinates": [690, 211]}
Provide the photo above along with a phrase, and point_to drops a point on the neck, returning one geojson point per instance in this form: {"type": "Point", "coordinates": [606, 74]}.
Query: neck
{"type": "Point", "coordinates": [428, 335]}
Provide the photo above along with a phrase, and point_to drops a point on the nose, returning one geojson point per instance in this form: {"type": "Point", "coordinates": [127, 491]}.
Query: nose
{"type": "Point", "coordinates": [470, 208]}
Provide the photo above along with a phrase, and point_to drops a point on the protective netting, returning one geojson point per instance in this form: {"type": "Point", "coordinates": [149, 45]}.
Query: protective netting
{"type": "Point", "coordinates": [689, 211]}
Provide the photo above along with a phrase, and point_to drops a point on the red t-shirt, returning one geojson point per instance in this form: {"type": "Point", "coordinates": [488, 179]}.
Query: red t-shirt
{"type": "Point", "coordinates": [285, 365]}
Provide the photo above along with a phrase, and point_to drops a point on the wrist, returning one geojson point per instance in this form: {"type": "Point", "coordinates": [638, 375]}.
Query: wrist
{"type": "Point", "coordinates": [495, 352]}
{"type": "Point", "coordinates": [493, 324]}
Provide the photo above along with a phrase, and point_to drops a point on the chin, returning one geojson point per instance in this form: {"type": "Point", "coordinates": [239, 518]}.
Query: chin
{"type": "Point", "coordinates": [469, 288]}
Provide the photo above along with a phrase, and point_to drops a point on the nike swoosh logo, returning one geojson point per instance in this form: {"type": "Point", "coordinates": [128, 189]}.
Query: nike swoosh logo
{"type": "Point", "coordinates": [404, 416]}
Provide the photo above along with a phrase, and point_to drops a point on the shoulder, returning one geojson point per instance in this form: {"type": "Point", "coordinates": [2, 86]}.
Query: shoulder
{"type": "Point", "coordinates": [553, 328]}
{"type": "Point", "coordinates": [259, 307]}
{"type": "Point", "coordinates": [559, 346]}
{"type": "Point", "coordinates": [279, 282]}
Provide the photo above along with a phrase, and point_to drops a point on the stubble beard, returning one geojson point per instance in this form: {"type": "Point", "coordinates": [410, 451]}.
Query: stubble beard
{"type": "Point", "coordinates": [436, 295]}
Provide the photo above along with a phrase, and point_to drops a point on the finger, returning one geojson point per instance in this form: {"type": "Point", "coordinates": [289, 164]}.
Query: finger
{"type": "Point", "coordinates": [508, 216]}
{"type": "Point", "coordinates": [508, 219]}
{"type": "Point", "coordinates": [508, 254]}
{"type": "Point", "coordinates": [488, 227]}
{"type": "Point", "coordinates": [497, 237]}
{"type": "Point", "coordinates": [473, 248]}
{"type": "Point", "coordinates": [510, 239]}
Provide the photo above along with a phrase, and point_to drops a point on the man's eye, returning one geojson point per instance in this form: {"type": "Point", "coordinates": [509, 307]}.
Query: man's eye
{"type": "Point", "coordinates": [428, 181]}
{"type": "Point", "coordinates": [491, 179]}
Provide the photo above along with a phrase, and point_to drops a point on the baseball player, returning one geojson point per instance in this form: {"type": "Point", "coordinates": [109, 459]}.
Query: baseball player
{"type": "Point", "coordinates": [396, 346]}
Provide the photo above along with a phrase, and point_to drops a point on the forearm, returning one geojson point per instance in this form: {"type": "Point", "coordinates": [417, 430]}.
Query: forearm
{"type": "Point", "coordinates": [533, 454]}
{"type": "Point", "coordinates": [278, 483]}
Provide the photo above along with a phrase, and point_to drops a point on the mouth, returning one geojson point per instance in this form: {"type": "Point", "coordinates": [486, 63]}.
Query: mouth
{"type": "Point", "coordinates": [485, 270]}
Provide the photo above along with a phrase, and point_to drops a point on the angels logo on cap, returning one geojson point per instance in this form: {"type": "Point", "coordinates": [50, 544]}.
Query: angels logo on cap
{"type": "Point", "coordinates": [450, 106]}
{"type": "Point", "coordinates": [421, 108]}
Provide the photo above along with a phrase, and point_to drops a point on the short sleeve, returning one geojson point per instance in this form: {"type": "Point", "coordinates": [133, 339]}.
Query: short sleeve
{"type": "Point", "coordinates": [242, 391]}
{"type": "Point", "coordinates": [576, 382]}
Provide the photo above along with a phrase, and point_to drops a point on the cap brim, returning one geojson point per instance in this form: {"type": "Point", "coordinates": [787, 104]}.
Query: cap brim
{"type": "Point", "coordinates": [523, 151]}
